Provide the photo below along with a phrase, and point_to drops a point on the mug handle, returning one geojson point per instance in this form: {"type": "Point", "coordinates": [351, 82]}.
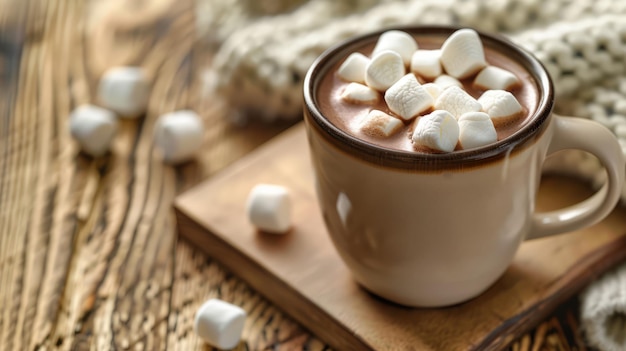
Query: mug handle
{"type": "Point", "coordinates": [583, 134]}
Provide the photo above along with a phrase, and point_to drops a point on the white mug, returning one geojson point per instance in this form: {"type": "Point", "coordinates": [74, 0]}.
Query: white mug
{"type": "Point", "coordinates": [438, 229]}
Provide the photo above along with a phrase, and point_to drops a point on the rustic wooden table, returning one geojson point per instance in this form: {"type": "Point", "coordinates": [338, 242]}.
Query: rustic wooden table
{"type": "Point", "coordinates": [89, 254]}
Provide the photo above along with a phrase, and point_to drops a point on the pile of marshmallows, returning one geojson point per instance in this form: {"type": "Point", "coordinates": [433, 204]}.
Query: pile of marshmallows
{"type": "Point", "coordinates": [457, 116]}
{"type": "Point", "coordinates": [124, 92]}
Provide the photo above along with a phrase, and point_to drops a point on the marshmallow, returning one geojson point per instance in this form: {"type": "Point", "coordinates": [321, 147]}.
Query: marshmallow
{"type": "Point", "coordinates": [476, 129]}
{"type": "Point", "coordinates": [353, 68]}
{"type": "Point", "coordinates": [500, 105]}
{"type": "Point", "coordinates": [178, 135]}
{"type": "Point", "coordinates": [219, 323]}
{"type": "Point", "coordinates": [492, 77]}
{"type": "Point", "coordinates": [438, 130]}
{"type": "Point", "coordinates": [433, 89]}
{"type": "Point", "coordinates": [356, 93]}
{"type": "Point", "coordinates": [462, 54]}
{"type": "Point", "coordinates": [94, 128]}
{"type": "Point", "coordinates": [426, 63]}
{"type": "Point", "coordinates": [456, 101]}
{"type": "Point", "coordinates": [397, 41]}
{"type": "Point", "coordinates": [445, 81]}
{"type": "Point", "coordinates": [407, 98]}
{"type": "Point", "coordinates": [384, 69]}
{"type": "Point", "coordinates": [124, 90]}
{"type": "Point", "coordinates": [379, 124]}
{"type": "Point", "coordinates": [269, 208]}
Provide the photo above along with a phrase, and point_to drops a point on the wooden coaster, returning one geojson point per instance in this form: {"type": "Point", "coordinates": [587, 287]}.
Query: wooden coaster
{"type": "Point", "coordinates": [301, 273]}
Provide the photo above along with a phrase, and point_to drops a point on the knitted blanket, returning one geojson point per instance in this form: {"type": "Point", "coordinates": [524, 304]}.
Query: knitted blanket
{"type": "Point", "coordinates": [265, 47]}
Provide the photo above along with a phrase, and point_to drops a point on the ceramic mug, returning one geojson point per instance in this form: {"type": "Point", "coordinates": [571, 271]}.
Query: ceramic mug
{"type": "Point", "coordinates": [438, 229]}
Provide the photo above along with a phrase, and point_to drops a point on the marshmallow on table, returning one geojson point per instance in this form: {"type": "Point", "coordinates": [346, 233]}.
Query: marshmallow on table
{"type": "Point", "coordinates": [356, 93]}
{"type": "Point", "coordinates": [379, 124]}
{"type": "Point", "coordinates": [178, 135]}
{"type": "Point", "coordinates": [397, 41]}
{"type": "Point", "coordinates": [124, 90]}
{"type": "Point", "coordinates": [384, 69]}
{"type": "Point", "coordinates": [445, 81]}
{"type": "Point", "coordinates": [456, 101]}
{"type": "Point", "coordinates": [94, 128]}
{"type": "Point", "coordinates": [476, 129]}
{"type": "Point", "coordinates": [500, 105]}
{"type": "Point", "coordinates": [438, 130]}
{"type": "Point", "coordinates": [269, 208]}
{"type": "Point", "coordinates": [220, 323]}
{"type": "Point", "coordinates": [353, 68]}
{"type": "Point", "coordinates": [426, 63]}
{"type": "Point", "coordinates": [492, 77]}
{"type": "Point", "coordinates": [462, 54]}
{"type": "Point", "coordinates": [407, 98]}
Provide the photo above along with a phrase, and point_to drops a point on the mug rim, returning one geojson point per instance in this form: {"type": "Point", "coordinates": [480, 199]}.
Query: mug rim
{"type": "Point", "coordinates": [430, 161]}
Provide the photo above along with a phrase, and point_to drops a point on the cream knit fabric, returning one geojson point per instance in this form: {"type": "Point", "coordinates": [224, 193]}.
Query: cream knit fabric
{"type": "Point", "coordinates": [603, 311]}
{"type": "Point", "coordinates": [265, 48]}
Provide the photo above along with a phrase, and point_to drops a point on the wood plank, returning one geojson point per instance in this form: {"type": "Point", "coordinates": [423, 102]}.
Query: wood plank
{"type": "Point", "coordinates": [302, 273]}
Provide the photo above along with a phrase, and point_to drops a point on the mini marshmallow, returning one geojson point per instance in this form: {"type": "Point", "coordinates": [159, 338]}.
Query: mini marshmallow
{"type": "Point", "coordinates": [500, 105]}
{"type": "Point", "coordinates": [407, 98]}
{"type": "Point", "coordinates": [433, 89]}
{"type": "Point", "coordinates": [356, 93]}
{"type": "Point", "coordinates": [353, 68]}
{"type": "Point", "coordinates": [462, 54]}
{"type": "Point", "coordinates": [178, 135]}
{"type": "Point", "coordinates": [397, 41]}
{"type": "Point", "coordinates": [426, 63]}
{"type": "Point", "coordinates": [384, 69]}
{"type": "Point", "coordinates": [456, 101]}
{"type": "Point", "coordinates": [476, 129]}
{"type": "Point", "coordinates": [94, 128]}
{"type": "Point", "coordinates": [438, 130]}
{"type": "Point", "coordinates": [220, 323]}
{"type": "Point", "coordinates": [445, 81]}
{"type": "Point", "coordinates": [492, 77]}
{"type": "Point", "coordinates": [269, 208]}
{"type": "Point", "coordinates": [379, 124]}
{"type": "Point", "coordinates": [124, 90]}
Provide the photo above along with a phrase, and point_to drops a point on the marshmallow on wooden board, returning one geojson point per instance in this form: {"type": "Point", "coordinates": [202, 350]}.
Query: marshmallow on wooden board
{"type": "Point", "coordinates": [219, 323]}
{"type": "Point", "coordinates": [456, 101]}
{"type": "Point", "coordinates": [462, 53]}
{"type": "Point", "coordinates": [124, 90]}
{"type": "Point", "coordinates": [445, 81]}
{"type": "Point", "coordinates": [407, 98]}
{"type": "Point", "coordinates": [353, 68]}
{"type": "Point", "coordinates": [93, 128]}
{"type": "Point", "coordinates": [500, 105]}
{"type": "Point", "coordinates": [397, 41]}
{"type": "Point", "coordinates": [475, 130]}
{"type": "Point", "coordinates": [426, 63]}
{"type": "Point", "coordinates": [269, 208]}
{"type": "Point", "coordinates": [356, 93]}
{"type": "Point", "coordinates": [178, 135]}
{"type": "Point", "coordinates": [433, 89]}
{"type": "Point", "coordinates": [492, 77]}
{"type": "Point", "coordinates": [379, 124]}
{"type": "Point", "coordinates": [438, 130]}
{"type": "Point", "coordinates": [384, 69]}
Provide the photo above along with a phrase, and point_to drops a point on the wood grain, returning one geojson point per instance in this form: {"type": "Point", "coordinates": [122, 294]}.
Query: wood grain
{"type": "Point", "coordinates": [89, 256]}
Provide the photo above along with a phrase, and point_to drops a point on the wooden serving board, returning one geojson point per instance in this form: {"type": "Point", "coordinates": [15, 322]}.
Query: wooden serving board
{"type": "Point", "coordinates": [301, 273]}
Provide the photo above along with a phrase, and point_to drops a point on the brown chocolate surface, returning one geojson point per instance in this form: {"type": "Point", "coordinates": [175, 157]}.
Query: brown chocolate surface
{"type": "Point", "coordinates": [346, 116]}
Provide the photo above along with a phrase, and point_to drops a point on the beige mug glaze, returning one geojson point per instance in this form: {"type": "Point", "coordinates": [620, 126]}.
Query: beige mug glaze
{"type": "Point", "coordinates": [438, 229]}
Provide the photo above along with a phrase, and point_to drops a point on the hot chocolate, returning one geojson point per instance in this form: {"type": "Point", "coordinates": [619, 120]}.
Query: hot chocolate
{"type": "Point", "coordinates": [347, 116]}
